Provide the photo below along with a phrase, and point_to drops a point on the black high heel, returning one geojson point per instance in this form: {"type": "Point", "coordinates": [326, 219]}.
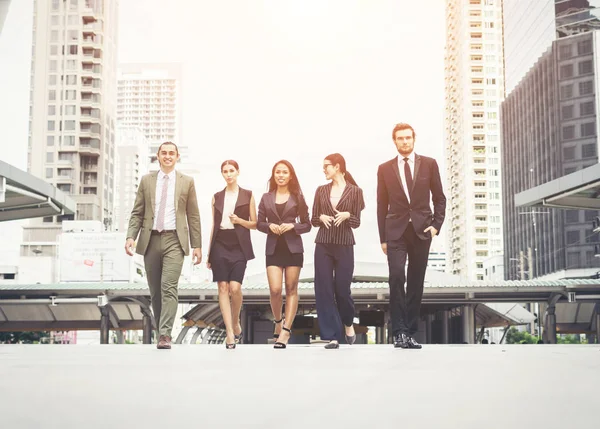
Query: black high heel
{"type": "Point", "coordinates": [279, 345]}
{"type": "Point", "coordinates": [351, 339]}
{"type": "Point", "coordinates": [276, 322]}
{"type": "Point", "coordinates": [230, 346]}
{"type": "Point", "coordinates": [238, 338]}
{"type": "Point", "coordinates": [332, 345]}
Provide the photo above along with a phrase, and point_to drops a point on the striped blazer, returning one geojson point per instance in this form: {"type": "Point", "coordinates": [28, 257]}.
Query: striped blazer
{"type": "Point", "coordinates": [351, 201]}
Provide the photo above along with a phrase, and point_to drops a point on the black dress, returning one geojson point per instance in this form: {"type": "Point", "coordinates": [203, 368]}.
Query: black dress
{"type": "Point", "coordinates": [282, 257]}
{"type": "Point", "coordinates": [228, 263]}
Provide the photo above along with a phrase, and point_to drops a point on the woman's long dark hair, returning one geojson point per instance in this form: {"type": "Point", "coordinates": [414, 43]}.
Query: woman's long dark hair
{"type": "Point", "coordinates": [337, 158]}
{"type": "Point", "coordinates": [293, 184]}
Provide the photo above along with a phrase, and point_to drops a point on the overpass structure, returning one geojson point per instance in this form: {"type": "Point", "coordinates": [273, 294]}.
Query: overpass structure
{"type": "Point", "coordinates": [451, 313]}
{"type": "Point", "coordinates": [25, 196]}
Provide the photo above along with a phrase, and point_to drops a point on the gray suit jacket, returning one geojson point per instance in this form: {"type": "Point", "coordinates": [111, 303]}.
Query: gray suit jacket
{"type": "Point", "coordinates": [187, 215]}
{"type": "Point", "coordinates": [294, 210]}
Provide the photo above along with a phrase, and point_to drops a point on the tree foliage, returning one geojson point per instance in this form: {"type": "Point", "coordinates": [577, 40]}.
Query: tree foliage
{"type": "Point", "coordinates": [514, 336]}
{"type": "Point", "coordinates": [22, 337]}
{"type": "Point", "coordinates": [570, 339]}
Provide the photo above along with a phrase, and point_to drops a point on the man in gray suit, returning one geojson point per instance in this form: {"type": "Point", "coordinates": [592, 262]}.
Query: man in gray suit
{"type": "Point", "coordinates": [165, 209]}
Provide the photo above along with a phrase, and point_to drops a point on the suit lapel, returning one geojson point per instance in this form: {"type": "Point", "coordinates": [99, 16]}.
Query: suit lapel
{"type": "Point", "coordinates": [153, 177]}
{"type": "Point", "coordinates": [397, 173]}
{"type": "Point", "coordinates": [289, 205]}
{"type": "Point", "coordinates": [270, 203]}
{"type": "Point", "coordinates": [243, 198]}
{"type": "Point", "coordinates": [220, 201]}
{"type": "Point", "coordinates": [178, 188]}
{"type": "Point", "coordinates": [417, 164]}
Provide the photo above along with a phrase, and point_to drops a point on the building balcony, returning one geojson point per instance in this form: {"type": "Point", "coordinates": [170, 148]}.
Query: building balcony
{"type": "Point", "coordinates": [91, 42]}
{"type": "Point", "coordinates": [64, 179]}
{"type": "Point", "coordinates": [65, 163]}
{"type": "Point", "coordinates": [89, 168]}
{"type": "Point", "coordinates": [67, 148]}
{"type": "Point", "coordinates": [89, 102]}
{"type": "Point", "coordinates": [90, 58]}
{"type": "Point", "coordinates": [90, 23]}
{"type": "Point", "coordinates": [88, 88]}
{"type": "Point", "coordinates": [92, 199]}
{"type": "Point", "coordinates": [86, 149]}
{"type": "Point", "coordinates": [86, 118]}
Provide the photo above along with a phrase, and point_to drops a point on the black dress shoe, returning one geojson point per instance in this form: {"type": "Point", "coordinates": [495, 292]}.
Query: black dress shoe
{"type": "Point", "coordinates": [412, 343]}
{"type": "Point", "coordinates": [401, 341]}
{"type": "Point", "coordinates": [332, 345]}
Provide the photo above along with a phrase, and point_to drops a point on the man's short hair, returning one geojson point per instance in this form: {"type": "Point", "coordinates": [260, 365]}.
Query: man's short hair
{"type": "Point", "coordinates": [162, 144]}
{"type": "Point", "coordinates": [402, 126]}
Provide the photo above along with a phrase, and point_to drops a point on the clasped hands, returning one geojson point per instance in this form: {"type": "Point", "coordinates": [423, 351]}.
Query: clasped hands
{"type": "Point", "coordinates": [336, 220]}
{"type": "Point", "coordinates": [280, 229]}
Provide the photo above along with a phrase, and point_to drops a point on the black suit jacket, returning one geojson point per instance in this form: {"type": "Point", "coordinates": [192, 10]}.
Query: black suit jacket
{"type": "Point", "coordinates": [393, 209]}
{"type": "Point", "coordinates": [294, 210]}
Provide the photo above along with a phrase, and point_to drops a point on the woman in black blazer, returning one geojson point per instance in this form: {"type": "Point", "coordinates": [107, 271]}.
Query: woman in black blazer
{"type": "Point", "coordinates": [283, 215]}
{"type": "Point", "coordinates": [336, 212]}
{"type": "Point", "coordinates": [234, 215]}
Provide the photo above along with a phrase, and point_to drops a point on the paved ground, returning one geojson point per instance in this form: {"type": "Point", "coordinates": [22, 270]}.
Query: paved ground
{"type": "Point", "coordinates": [254, 386]}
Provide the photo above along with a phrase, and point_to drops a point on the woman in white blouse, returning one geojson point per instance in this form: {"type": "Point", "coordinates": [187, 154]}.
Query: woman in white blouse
{"type": "Point", "coordinates": [234, 215]}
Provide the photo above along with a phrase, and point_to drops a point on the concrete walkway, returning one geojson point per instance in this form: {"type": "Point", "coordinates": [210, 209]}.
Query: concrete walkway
{"type": "Point", "coordinates": [254, 386]}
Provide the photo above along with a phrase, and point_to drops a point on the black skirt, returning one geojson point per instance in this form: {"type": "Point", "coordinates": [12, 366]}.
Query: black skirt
{"type": "Point", "coordinates": [282, 257]}
{"type": "Point", "coordinates": [227, 260]}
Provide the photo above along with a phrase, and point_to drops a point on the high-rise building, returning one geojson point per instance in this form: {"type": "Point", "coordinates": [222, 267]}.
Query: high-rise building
{"type": "Point", "coordinates": [73, 109]}
{"type": "Point", "coordinates": [530, 27]}
{"type": "Point", "coordinates": [149, 98]}
{"type": "Point", "coordinates": [132, 164]}
{"type": "Point", "coordinates": [549, 129]}
{"type": "Point", "coordinates": [474, 89]}
{"type": "Point", "coordinates": [3, 12]}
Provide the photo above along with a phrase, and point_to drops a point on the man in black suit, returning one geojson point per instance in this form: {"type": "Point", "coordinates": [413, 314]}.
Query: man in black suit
{"type": "Point", "coordinates": [405, 187]}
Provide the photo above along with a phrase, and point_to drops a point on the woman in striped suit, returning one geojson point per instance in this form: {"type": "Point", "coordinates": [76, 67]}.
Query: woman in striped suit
{"type": "Point", "coordinates": [336, 211]}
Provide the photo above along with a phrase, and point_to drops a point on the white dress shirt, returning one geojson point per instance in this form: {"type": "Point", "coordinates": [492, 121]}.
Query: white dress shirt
{"type": "Point", "coordinates": [411, 165]}
{"type": "Point", "coordinates": [170, 207]}
{"type": "Point", "coordinates": [228, 208]}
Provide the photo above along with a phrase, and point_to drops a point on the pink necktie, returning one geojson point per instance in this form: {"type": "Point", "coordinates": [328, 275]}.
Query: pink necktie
{"type": "Point", "coordinates": [160, 216]}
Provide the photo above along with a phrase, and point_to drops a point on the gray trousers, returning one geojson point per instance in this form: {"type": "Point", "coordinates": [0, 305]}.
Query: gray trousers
{"type": "Point", "coordinates": [163, 262]}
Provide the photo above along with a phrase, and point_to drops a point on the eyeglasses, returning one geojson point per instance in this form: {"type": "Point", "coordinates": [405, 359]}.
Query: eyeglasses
{"type": "Point", "coordinates": [326, 165]}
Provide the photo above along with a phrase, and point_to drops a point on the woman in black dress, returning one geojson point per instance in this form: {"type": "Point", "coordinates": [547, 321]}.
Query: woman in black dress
{"type": "Point", "coordinates": [283, 215]}
{"type": "Point", "coordinates": [234, 215]}
{"type": "Point", "coordinates": [336, 212]}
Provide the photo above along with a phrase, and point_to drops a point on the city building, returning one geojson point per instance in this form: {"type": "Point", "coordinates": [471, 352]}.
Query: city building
{"type": "Point", "coordinates": [549, 130]}
{"type": "Point", "coordinates": [474, 90]}
{"type": "Point", "coordinates": [530, 27]}
{"type": "Point", "coordinates": [132, 164]}
{"type": "Point", "coordinates": [73, 111]}
{"type": "Point", "coordinates": [9, 274]}
{"type": "Point", "coordinates": [4, 4]}
{"type": "Point", "coordinates": [493, 268]}
{"type": "Point", "coordinates": [437, 256]}
{"type": "Point", "coordinates": [149, 98]}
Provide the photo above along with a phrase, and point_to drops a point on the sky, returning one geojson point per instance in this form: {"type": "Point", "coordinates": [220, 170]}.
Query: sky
{"type": "Point", "coordinates": [267, 80]}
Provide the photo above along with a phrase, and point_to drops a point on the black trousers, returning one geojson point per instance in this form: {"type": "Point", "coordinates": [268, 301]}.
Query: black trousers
{"type": "Point", "coordinates": [405, 306]}
{"type": "Point", "coordinates": [334, 268]}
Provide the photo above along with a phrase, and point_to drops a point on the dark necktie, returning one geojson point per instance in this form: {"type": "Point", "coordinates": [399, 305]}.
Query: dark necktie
{"type": "Point", "coordinates": [408, 175]}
